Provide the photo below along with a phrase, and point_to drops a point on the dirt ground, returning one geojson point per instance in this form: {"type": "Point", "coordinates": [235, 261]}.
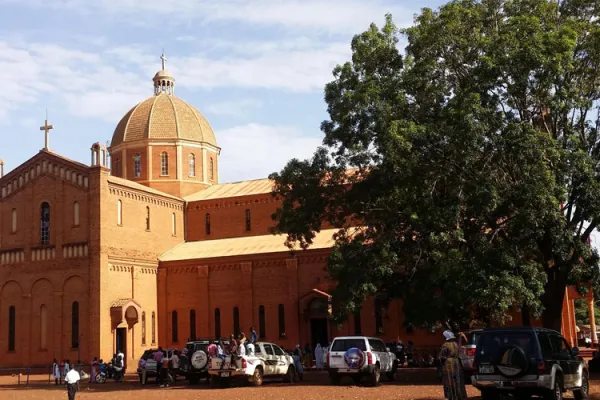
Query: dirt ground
{"type": "Point", "coordinates": [410, 384]}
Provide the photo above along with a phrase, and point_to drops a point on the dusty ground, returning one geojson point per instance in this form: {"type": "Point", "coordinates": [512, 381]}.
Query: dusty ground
{"type": "Point", "coordinates": [411, 384]}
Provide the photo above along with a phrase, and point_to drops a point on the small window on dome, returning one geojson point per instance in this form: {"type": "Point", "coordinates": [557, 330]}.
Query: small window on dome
{"type": "Point", "coordinates": [137, 165]}
{"type": "Point", "coordinates": [192, 165]}
{"type": "Point", "coordinates": [212, 169]}
{"type": "Point", "coordinates": [164, 163]}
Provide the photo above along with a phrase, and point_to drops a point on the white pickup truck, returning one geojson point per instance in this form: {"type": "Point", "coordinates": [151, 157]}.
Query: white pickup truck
{"type": "Point", "coordinates": [268, 361]}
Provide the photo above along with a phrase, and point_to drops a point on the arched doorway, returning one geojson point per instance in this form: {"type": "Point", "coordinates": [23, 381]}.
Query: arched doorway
{"type": "Point", "coordinates": [317, 312]}
{"type": "Point", "coordinates": [125, 313]}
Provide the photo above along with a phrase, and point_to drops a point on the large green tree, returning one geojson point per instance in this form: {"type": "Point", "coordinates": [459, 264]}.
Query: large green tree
{"type": "Point", "coordinates": [470, 160]}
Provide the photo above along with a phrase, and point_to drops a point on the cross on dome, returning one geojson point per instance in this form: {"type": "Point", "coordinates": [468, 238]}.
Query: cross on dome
{"type": "Point", "coordinates": [164, 82]}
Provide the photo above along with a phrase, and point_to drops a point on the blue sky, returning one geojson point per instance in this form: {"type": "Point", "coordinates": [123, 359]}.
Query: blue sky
{"type": "Point", "coordinates": [256, 69]}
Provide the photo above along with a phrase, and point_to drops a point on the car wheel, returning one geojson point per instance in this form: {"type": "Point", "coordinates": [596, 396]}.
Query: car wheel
{"type": "Point", "coordinates": [334, 379]}
{"type": "Point", "coordinates": [488, 395]}
{"type": "Point", "coordinates": [375, 376]}
{"type": "Point", "coordinates": [290, 376]}
{"type": "Point", "coordinates": [392, 374]}
{"type": "Point", "coordinates": [556, 393]}
{"type": "Point", "coordinates": [214, 382]}
{"type": "Point", "coordinates": [225, 383]}
{"type": "Point", "coordinates": [257, 377]}
{"type": "Point", "coordinates": [194, 380]}
{"type": "Point", "coordinates": [584, 390]}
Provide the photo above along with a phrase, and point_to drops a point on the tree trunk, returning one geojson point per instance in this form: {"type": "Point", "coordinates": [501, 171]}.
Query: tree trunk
{"type": "Point", "coordinates": [525, 316]}
{"type": "Point", "coordinates": [552, 301]}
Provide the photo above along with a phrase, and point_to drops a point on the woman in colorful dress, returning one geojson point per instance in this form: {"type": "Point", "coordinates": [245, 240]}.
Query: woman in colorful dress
{"type": "Point", "coordinates": [453, 376]}
{"type": "Point", "coordinates": [94, 370]}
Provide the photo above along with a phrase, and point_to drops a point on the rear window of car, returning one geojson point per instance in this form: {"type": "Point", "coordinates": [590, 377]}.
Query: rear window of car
{"type": "Point", "coordinates": [147, 354]}
{"type": "Point", "coordinates": [346, 344]}
{"type": "Point", "coordinates": [492, 345]}
{"type": "Point", "coordinates": [473, 337]}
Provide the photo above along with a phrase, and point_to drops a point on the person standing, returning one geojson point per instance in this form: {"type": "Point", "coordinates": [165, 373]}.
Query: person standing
{"type": "Point", "coordinates": [175, 365]}
{"type": "Point", "coordinates": [94, 370]}
{"type": "Point", "coordinates": [452, 372]}
{"type": "Point", "coordinates": [307, 356]}
{"type": "Point", "coordinates": [72, 379]}
{"type": "Point", "coordinates": [253, 335]}
{"type": "Point", "coordinates": [319, 357]}
{"type": "Point", "coordinates": [56, 372]}
{"type": "Point", "coordinates": [158, 357]}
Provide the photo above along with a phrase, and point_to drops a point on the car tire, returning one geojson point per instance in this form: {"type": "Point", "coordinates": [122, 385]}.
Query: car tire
{"type": "Point", "coordinates": [290, 375]}
{"type": "Point", "coordinates": [392, 374]}
{"type": "Point", "coordinates": [556, 393]}
{"type": "Point", "coordinates": [375, 376]}
{"type": "Point", "coordinates": [225, 383]}
{"type": "Point", "coordinates": [584, 391]}
{"type": "Point", "coordinates": [257, 377]}
{"type": "Point", "coordinates": [194, 380]}
{"type": "Point", "coordinates": [214, 382]}
{"type": "Point", "coordinates": [334, 379]}
{"type": "Point", "coordinates": [489, 395]}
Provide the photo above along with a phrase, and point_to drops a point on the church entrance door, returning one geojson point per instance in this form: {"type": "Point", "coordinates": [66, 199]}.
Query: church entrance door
{"type": "Point", "coordinates": [318, 331]}
{"type": "Point", "coordinates": [121, 341]}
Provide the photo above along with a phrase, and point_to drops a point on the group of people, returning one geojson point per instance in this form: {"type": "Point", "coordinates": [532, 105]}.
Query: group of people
{"type": "Point", "coordinates": [237, 347]}
{"type": "Point", "coordinates": [167, 368]}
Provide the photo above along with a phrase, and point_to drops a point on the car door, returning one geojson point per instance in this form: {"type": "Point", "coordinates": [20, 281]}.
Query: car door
{"type": "Point", "coordinates": [562, 354]}
{"type": "Point", "coordinates": [270, 359]}
{"type": "Point", "coordinates": [378, 347]}
{"type": "Point", "coordinates": [282, 364]}
{"type": "Point", "coordinates": [572, 362]}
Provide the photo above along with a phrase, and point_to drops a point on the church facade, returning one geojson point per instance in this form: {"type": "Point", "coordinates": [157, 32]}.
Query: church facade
{"type": "Point", "coordinates": [152, 250]}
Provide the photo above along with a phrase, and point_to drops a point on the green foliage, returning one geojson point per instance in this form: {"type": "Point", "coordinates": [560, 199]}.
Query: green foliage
{"type": "Point", "coordinates": [582, 315]}
{"type": "Point", "coordinates": [461, 152]}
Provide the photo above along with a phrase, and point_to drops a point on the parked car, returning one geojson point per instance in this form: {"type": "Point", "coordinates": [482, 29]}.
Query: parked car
{"type": "Point", "coordinates": [467, 351]}
{"type": "Point", "coordinates": [268, 361]}
{"type": "Point", "coordinates": [195, 364]}
{"type": "Point", "coordinates": [150, 364]}
{"type": "Point", "coordinates": [360, 356]}
{"type": "Point", "coordinates": [526, 361]}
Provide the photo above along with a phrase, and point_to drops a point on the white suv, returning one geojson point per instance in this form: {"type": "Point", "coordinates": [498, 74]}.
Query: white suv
{"type": "Point", "coordinates": [359, 356]}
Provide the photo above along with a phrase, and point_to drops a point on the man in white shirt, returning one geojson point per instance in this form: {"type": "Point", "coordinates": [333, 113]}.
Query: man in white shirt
{"type": "Point", "coordinates": [72, 380]}
{"type": "Point", "coordinates": [175, 365]}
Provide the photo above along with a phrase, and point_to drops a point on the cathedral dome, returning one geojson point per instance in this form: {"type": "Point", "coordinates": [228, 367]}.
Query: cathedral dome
{"type": "Point", "coordinates": [166, 117]}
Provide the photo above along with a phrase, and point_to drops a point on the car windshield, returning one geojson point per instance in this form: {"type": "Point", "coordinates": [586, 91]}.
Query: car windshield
{"type": "Point", "coordinates": [491, 345]}
{"type": "Point", "coordinates": [346, 344]}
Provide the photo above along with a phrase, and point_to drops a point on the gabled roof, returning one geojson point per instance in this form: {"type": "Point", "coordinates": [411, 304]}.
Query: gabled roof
{"type": "Point", "coordinates": [40, 155]}
{"type": "Point", "coordinates": [233, 189]}
{"type": "Point", "coordinates": [264, 244]}
{"type": "Point", "coordinates": [137, 186]}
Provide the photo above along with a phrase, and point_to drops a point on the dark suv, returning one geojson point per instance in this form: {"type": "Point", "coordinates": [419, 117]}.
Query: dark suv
{"type": "Point", "coordinates": [528, 361]}
{"type": "Point", "coordinates": [195, 363]}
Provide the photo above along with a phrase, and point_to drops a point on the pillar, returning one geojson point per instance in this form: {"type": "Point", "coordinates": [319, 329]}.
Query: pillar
{"type": "Point", "coordinates": [247, 306]}
{"type": "Point", "coordinates": [204, 314]}
{"type": "Point", "coordinates": [592, 316]}
{"type": "Point", "coordinates": [292, 312]}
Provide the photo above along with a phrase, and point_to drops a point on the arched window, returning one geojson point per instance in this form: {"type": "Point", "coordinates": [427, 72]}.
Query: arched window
{"type": "Point", "coordinates": [143, 328]}
{"type": "Point", "coordinates": [174, 327]}
{"type": "Point", "coordinates": [173, 224]}
{"type": "Point", "coordinates": [248, 222]}
{"type": "Point", "coordinates": [137, 166]}
{"type": "Point", "coordinates": [217, 323]}
{"type": "Point", "coordinates": [147, 218]}
{"type": "Point", "coordinates": [45, 224]}
{"type": "Point", "coordinates": [262, 329]}
{"type": "Point", "coordinates": [357, 323]}
{"type": "Point", "coordinates": [281, 311]}
{"type": "Point", "coordinates": [14, 220]}
{"type": "Point", "coordinates": [212, 169]}
{"type": "Point", "coordinates": [11, 328]}
{"type": "Point", "coordinates": [207, 223]}
{"type": "Point", "coordinates": [43, 327]}
{"type": "Point", "coordinates": [192, 165]}
{"type": "Point", "coordinates": [119, 212]}
{"type": "Point", "coordinates": [75, 325]}
{"type": "Point", "coordinates": [76, 213]}
{"type": "Point", "coordinates": [236, 321]}
{"type": "Point", "coordinates": [153, 327]}
{"type": "Point", "coordinates": [192, 324]}
{"type": "Point", "coordinates": [378, 316]}
{"type": "Point", "coordinates": [164, 163]}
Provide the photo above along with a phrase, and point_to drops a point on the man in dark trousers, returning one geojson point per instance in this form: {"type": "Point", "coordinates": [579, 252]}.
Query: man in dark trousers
{"type": "Point", "coordinates": [72, 381]}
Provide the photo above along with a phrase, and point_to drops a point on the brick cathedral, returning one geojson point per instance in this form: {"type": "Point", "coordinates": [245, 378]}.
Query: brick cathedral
{"type": "Point", "coordinates": [153, 250]}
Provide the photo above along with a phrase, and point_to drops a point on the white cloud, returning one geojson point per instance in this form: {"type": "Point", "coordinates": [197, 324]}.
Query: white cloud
{"type": "Point", "coordinates": [334, 16]}
{"type": "Point", "coordinates": [234, 108]}
{"type": "Point", "coordinates": [254, 151]}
